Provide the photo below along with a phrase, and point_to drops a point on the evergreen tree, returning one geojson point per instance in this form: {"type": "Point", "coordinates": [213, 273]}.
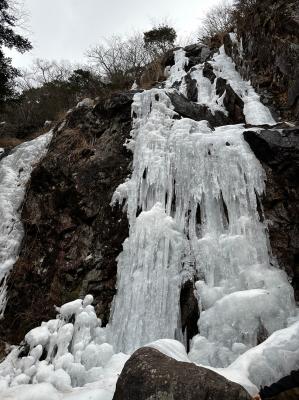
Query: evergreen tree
{"type": "Point", "coordinates": [159, 40]}
{"type": "Point", "coordinates": [10, 39]}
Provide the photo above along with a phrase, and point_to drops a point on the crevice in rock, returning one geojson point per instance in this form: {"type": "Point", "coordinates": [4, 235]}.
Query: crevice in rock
{"type": "Point", "coordinates": [189, 311]}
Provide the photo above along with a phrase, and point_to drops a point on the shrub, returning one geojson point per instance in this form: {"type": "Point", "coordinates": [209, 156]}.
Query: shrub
{"type": "Point", "coordinates": [160, 39]}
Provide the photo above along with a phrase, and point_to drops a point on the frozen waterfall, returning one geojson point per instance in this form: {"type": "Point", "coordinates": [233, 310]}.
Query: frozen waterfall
{"type": "Point", "coordinates": [15, 171]}
{"type": "Point", "coordinates": [192, 203]}
{"type": "Point", "coordinates": [194, 213]}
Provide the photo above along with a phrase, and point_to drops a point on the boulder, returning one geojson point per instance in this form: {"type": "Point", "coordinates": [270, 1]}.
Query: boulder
{"type": "Point", "coordinates": [151, 375]}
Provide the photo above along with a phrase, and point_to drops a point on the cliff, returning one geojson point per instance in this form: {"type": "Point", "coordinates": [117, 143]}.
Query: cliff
{"type": "Point", "coordinates": [72, 234]}
{"type": "Point", "coordinates": [268, 53]}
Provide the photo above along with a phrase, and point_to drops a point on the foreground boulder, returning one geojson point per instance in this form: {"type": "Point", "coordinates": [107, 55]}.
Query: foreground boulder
{"type": "Point", "coordinates": [151, 375]}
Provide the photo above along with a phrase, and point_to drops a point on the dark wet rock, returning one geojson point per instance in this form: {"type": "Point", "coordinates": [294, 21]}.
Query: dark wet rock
{"type": "Point", "coordinates": [234, 105]}
{"type": "Point", "coordinates": [197, 54]}
{"type": "Point", "coordinates": [208, 72]}
{"type": "Point", "coordinates": [270, 54]}
{"type": "Point", "coordinates": [220, 86]}
{"type": "Point", "coordinates": [4, 153]}
{"type": "Point", "coordinates": [278, 151]}
{"type": "Point", "coordinates": [189, 311]}
{"type": "Point", "coordinates": [193, 61]}
{"type": "Point", "coordinates": [72, 234]}
{"type": "Point", "coordinates": [228, 45]}
{"type": "Point", "coordinates": [168, 58]}
{"type": "Point", "coordinates": [195, 111]}
{"type": "Point", "coordinates": [193, 50]}
{"type": "Point", "coordinates": [198, 51]}
{"type": "Point", "coordinates": [176, 85]}
{"type": "Point", "coordinates": [4, 350]}
{"type": "Point", "coordinates": [151, 375]}
{"type": "Point", "coordinates": [192, 90]}
{"type": "Point", "coordinates": [232, 102]}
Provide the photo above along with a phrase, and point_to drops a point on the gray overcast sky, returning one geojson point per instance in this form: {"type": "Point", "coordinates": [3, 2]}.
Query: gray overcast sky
{"type": "Point", "coordinates": [65, 29]}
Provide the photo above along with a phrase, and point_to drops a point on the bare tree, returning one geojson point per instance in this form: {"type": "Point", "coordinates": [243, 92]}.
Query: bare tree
{"type": "Point", "coordinates": [43, 72]}
{"type": "Point", "coordinates": [19, 11]}
{"type": "Point", "coordinates": [217, 21]}
{"type": "Point", "coordinates": [119, 59]}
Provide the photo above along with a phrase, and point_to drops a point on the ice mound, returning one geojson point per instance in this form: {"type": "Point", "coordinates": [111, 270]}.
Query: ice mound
{"type": "Point", "coordinates": [64, 353]}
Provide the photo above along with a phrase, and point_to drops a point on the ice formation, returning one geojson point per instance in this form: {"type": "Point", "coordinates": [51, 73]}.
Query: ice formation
{"type": "Point", "coordinates": [68, 352]}
{"type": "Point", "coordinates": [267, 362]}
{"type": "Point", "coordinates": [204, 184]}
{"type": "Point", "coordinates": [15, 171]}
{"type": "Point", "coordinates": [194, 213]}
{"type": "Point", "coordinates": [153, 275]}
{"type": "Point", "coordinates": [255, 112]}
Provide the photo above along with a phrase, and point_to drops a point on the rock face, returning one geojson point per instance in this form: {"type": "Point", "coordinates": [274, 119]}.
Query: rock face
{"type": "Point", "coordinates": [72, 234]}
{"type": "Point", "coordinates": [189, 311]}
{"type": "Point", "coordinates": [231, 101]}
{"type": "Point", "coordinates": [197, 54]}
{"type": "Point", "coordinates": [278, 151]}
{"type": "Point", "coordinates": [199, 112]}
{"type": "Point", "coordinates": [151, 375]}
{"type": "Point", "coordinates": [270, 54]}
